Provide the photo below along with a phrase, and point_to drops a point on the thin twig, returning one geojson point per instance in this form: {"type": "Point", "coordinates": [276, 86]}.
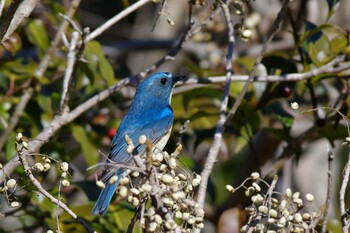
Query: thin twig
{"type": "Point", "coordinates": [175, 50]}
{"type": "Point", "coordinates": [344, 215]}
{"type": "Point", "coordinates": [214, 149]}
{"type": "Point", "coordinates": [329, 189]}
{"type": "Point", "coordinates": [98, 31]}
{"type": "Point", "coordinates": [16, 116]}
{"type": "Point", "coordinates": [22, 152]}
{"type": "Point", "coordinates": [267, 202]}
{"type": "Point", "coordinates": [71, 59]}
{"type": "Point", "coordinates": [71, 22]}
{"type": "Point", "coordinates": [160, 13]}
{"type": "Point", "coordinates": [58, 206]}
{"type": "Point", "coordinates": [54, 44]}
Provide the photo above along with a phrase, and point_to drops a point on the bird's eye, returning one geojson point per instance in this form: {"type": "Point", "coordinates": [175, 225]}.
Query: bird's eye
{"type": "Point", "coordinates": [163, 81]}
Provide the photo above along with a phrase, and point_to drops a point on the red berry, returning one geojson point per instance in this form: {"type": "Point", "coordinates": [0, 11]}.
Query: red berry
{"type": "Point", "coordinates": [285, 91]}
{"type": "Point", "coordinates": [111, 132]}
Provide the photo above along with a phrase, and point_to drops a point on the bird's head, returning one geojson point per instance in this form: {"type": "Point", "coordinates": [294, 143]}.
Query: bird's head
{"type": "Point", "coordinates": [157, 88]}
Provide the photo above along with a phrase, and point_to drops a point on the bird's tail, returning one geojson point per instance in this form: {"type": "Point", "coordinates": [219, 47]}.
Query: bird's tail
{"type": "Point", "coordinates": [105, 198]}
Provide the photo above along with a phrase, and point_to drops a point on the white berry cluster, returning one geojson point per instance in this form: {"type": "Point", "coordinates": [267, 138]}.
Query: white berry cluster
{"type": "Point", "coordinates": [10, 185]}
{"type": "Point", "coordinates": [42, 166]}
{"type": "Point", "coordinates": [163, 192]}
{"type": "Point", "coordinates": [347, 142]}
{"type": "Point", "coordinates": [274, 212]}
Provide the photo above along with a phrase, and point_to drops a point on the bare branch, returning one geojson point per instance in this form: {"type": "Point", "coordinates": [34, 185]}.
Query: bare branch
{"type": "Point", "coordinates": [71, 59]}
{"type": "Point", "coordinates": [22, 12]}
{"type": "Point", "coordinates": [98, 31]}
{"type": "Point", "coordinates": [344, 214]}
{"type": "Point", "coordinates": [335, 66]}
{"type": "Point", "coordinates": [214, 149]}
{"type": "Point", "coordinates": [15, 116]}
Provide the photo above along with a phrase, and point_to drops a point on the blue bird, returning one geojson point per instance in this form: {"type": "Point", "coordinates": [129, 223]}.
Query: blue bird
{"type": "Point", "coordinates": [150, 114]}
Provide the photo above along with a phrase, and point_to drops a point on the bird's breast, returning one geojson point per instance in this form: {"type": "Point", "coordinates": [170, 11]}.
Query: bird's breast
{"type": "Point", "coordinates": [163, 140]}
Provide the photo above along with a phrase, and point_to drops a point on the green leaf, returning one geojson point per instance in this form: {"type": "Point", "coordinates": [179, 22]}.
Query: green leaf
{"type": "Point", "coordinates": [37, 35]}
{"type": "Point", "coordinates": [106, 70]}
{"type": "Point", "coordinates": [90, 152]}
{"type": "Point", "coordinates": [333, 133]}
{"type": "Point", "coordinates": [10, 146]}
{"type": "Point", "coordinates": [246, 121]}
{"type": "Point", "coordinates": [285, 118]}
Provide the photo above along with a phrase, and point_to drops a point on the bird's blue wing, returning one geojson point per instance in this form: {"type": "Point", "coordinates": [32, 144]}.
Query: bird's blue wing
{"type": "Point", "coordinates": [154, 130]}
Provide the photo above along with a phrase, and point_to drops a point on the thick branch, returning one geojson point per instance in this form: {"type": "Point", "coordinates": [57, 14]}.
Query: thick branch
{"type": "Point", "coordinates": [23, 11]}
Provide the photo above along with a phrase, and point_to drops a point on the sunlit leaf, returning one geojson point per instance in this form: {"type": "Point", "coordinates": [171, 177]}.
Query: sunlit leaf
{"type": "Point", "coordinates": [105, 68]}
{"type": "Point", "coordinates": [90, 152]}
{"type": "Point", "coordinates": [10, 148]}
{"type": "Point", "coordinates": [37, 34]}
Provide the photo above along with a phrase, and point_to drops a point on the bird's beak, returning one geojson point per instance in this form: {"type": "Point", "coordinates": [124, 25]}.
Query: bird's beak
{"type": "Point", "coordinates": [179, 78]}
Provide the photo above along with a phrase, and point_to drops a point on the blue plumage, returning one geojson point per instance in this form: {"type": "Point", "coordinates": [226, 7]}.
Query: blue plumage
{"type": "Point", "coordinates": [150, 114]}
